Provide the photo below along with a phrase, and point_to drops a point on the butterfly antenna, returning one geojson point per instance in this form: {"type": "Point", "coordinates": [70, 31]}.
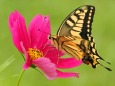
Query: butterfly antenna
{"type": "Point", "coordinates": [105, 67]}
{"type": "Point", "coordinates": [47, 26]}
{"type": "Point", "coordinates": [50, 38]}
{"type": "Point", "coordinates": [42, 31]}
{"type": "Point", "coordinates": [58, 55]}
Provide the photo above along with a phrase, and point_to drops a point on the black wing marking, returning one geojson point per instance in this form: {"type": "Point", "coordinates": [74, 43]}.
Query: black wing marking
{"type": "Point", "coordinates": [78, 23]}
{"type": "Point", "coordinates": [93, 50]}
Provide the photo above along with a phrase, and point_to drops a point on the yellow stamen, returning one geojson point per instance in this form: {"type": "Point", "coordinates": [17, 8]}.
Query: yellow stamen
{"type": "Point", "coordinates": [34, 53]}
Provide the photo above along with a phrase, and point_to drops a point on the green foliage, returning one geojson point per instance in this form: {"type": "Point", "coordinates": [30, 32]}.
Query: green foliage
{"type": "Point", "coordinates": [103, 33]}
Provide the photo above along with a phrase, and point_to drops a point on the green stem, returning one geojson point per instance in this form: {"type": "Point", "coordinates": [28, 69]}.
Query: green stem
{"type": "Point", "coordinates": [20, 76]}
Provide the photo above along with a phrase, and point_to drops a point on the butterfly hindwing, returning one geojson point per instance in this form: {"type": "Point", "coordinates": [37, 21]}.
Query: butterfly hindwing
{"type": "Point", "coordinates": [78, 23]}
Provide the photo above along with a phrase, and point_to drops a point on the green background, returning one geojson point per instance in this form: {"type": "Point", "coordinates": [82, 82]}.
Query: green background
{"type": "Point", "coordinates": [103, 32]}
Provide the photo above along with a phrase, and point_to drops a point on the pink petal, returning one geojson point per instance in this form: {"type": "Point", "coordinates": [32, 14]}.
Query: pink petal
{"type": "Point", "coordinates": [18, 30]}
{"type": "Point", "coordinates": [46, 66]}
{"type": "Point", "coordinates": [39, 30]}
{"type": "Point", "coordinates": [68, 63]}
{"type": "Point", "coordinates": [66, 74]}
{"type": "Point", "coordinates": [27, 63]}
{"type": "Point", "coordinates": [51, 52]}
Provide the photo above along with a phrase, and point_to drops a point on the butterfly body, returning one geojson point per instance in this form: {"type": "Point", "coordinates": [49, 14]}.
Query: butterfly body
{"type": "Point", "coordinates": [74, 36]}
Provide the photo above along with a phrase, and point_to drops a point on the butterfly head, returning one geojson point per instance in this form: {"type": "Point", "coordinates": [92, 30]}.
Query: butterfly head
{"type": "Point", "coordinates": [54, 39]}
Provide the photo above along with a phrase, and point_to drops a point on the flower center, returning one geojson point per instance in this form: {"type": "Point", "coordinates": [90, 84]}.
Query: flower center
{"type": "Point", "coordinates": [34, 53]}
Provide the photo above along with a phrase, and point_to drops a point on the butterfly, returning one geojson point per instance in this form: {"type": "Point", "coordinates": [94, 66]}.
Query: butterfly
{"type": "Point", "coordinates": [74, 36]}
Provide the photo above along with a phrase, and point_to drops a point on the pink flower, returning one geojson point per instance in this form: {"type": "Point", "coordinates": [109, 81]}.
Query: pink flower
{"type": "Point", "coordinates": [33, 44]}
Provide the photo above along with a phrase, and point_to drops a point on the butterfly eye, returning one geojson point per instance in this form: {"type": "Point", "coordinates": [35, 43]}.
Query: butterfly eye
{"type": "Point", "coordinates": [50, 37]}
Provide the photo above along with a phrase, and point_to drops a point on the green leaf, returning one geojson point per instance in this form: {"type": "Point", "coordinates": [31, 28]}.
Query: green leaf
{"type": "Point", "coordinates": [6, 63]}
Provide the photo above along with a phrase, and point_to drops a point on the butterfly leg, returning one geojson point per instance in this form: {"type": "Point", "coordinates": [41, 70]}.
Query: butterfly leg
{"type": "Point", "coordinates": [58, 54]}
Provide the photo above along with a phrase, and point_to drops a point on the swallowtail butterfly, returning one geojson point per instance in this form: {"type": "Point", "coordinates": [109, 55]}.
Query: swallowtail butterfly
{"type": "Point", "coordinates": [74, 36]}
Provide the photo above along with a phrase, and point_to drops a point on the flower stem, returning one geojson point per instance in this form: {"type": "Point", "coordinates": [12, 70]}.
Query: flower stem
{"type": "Point", "coordinates": [20, 76]}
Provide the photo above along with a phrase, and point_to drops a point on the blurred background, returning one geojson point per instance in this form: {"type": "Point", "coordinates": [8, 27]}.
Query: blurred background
{"type": "Point", "coordinates": [11, 60]}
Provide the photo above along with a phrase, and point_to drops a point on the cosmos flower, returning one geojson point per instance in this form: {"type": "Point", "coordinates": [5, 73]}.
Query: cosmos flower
{"type": "Point", "coordinates": [33, 43]}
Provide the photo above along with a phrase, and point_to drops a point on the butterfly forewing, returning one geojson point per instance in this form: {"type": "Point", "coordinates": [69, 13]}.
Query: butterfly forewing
{"type": "Point", "coordinates": [78, 23]}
